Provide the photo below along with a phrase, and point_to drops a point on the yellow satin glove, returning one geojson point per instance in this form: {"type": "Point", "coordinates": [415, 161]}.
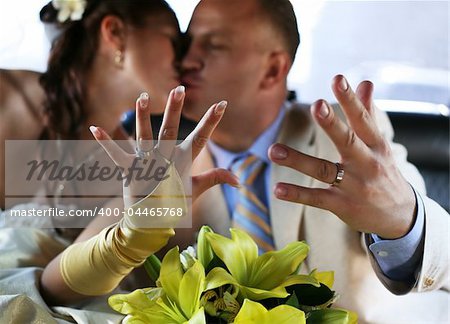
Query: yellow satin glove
{"type": "Point", "coordinates": [96, 266]}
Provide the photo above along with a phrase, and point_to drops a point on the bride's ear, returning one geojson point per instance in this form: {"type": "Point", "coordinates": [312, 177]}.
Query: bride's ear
{"type": "Point", "coordinates": [113, 32]}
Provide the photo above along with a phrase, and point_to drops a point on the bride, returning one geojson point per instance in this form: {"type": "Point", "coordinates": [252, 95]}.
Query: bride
{"type": "Point", "coordinates": [106, 53]}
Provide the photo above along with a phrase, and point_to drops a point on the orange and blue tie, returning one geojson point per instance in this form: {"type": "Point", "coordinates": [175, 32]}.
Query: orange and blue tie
{"type": "Point", "coordinates": [250, 213]}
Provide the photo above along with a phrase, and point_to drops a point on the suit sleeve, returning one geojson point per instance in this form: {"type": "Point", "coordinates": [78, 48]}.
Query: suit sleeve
{"type": "Point", "coordinates": [434, 270]}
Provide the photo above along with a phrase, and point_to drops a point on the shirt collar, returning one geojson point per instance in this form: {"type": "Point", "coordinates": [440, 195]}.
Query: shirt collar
{"type": "Point", "coordinates": [259, 148]}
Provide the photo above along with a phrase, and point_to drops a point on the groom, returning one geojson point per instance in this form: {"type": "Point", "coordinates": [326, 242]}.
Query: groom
{"type": "Point", "coordinates": [242, 51]}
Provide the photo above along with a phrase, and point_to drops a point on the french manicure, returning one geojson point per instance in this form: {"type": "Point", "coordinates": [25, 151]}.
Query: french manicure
{"type": "Point", "coordinates": [94, 130]}
{"type": "Point", "coordinates": [220, 107]}
{"type": "Point", "coordinates": [179, 92]}
{"type": "Point", "coordinates": [143, 100]}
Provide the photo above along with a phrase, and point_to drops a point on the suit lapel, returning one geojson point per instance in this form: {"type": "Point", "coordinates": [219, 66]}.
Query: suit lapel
{"type": "Point", "coordinates": [297, 131]}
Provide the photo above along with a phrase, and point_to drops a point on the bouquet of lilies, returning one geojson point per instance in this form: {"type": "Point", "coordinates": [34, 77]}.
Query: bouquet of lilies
{"type": "Point", "coordinates": [225, 281]}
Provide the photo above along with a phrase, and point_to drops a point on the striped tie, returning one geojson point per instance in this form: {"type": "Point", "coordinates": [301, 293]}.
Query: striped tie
{"type": "Point", "coordinates": [251, 214]}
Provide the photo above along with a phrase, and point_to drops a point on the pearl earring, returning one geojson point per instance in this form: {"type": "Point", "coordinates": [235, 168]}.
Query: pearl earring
{"type": "Point", "coordinates": [118, 58]}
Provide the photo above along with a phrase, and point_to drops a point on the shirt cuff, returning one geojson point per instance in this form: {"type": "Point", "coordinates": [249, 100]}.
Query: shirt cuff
{"type": "Point", "coordinates": [399, 259]}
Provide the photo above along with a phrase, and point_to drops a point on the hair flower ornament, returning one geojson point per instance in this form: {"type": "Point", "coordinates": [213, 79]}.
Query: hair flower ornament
{"type": "Point", "coordinates": [69, 9]}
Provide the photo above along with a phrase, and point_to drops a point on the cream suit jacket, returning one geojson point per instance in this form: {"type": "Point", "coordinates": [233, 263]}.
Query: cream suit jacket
{"type": "Point", "coordinates": [335, 246]}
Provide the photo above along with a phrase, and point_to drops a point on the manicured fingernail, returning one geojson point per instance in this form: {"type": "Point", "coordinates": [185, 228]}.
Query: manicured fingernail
{"type": "Point", "coordinates": [179, 92]}
{"type": "Point", "coordinates": [220, 108]}
{"type": "Point", "coordinates": [343, 85]}
{"type": "Point", "coordinates": [143, 100]}
{"type": "Point", "coordinates": [279, 152]}
{"type": "Point", "coordinates": [281, 191]}
{"type": "Point", "coordinates": [324, 111]}
{"type": "Point", "coordinates": [94, 130]}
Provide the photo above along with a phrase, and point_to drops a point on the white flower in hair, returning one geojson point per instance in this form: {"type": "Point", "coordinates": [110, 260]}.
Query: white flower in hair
{"type": "Point", "coordinates": [69, 9]}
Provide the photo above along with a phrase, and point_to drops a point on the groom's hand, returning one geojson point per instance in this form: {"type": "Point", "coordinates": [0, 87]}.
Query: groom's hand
{"type": "Point", "coordinates": [367, 190]}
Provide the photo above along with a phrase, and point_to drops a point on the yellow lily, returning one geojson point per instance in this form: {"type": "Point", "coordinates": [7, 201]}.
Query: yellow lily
{"type": "Point", "coordinates": [176, 301]}
{"type": "Point", "coordinates": [256, 277]}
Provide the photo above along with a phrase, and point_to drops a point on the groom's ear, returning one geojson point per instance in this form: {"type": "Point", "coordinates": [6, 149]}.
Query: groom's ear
{"type": "Point", "coordinates": [113, 32]}
{"type": "Point", "coordinates": [276, 69]}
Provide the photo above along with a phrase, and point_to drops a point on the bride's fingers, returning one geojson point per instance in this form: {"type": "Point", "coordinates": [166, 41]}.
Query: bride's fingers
{"type": "Point", "coordinates": [202, 132]}
{"type": "Point", "coordinates": [144, 138]}
{"type": "Point", "coordinates": [169, 129]}
{"type": "Point", "coordinates": [210, 178]}
{"type": "Point", "coordinates": [115, 152]}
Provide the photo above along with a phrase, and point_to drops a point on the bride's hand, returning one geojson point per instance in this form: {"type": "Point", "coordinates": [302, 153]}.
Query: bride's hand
{"type": "Point", "coordinates": [166, 149]}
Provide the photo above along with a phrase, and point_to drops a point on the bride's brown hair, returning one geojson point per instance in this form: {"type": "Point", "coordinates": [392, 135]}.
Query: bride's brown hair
{"type": "Point", "coordinates": [73, 52]}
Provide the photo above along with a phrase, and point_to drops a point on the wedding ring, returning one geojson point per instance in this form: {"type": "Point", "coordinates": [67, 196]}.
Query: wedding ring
{"type": "Point", "coordinates": [339, 175]}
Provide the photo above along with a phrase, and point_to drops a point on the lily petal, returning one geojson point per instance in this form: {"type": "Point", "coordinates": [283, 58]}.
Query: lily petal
{"type": "Point", "coordinates": [271, 268]}
{"type": "Point", "coordinates": [204, 251]}
{"type": "Point", "coordinates": [332, 316]}
{"type": "Point", "coordinates": [171, 274]}
{"type": "Point", "coordinates": [259, 294]}
{"type": "Point", "coordinates": [219, 277]}
{"type": "Point", "coordinates": [191, 287]}
{"type": "Point", "coordinates": [198, 318]}
{"type": "Point", "coordinates": [253, 312]}
{"type": "Point", "coordinates": [133, 303]}
{"type": "Point", "coordinates": [246, 244]}
{"type": "Point", "coordinates": [231, 254]}
{"type": "Point", "coordinates": [325, 277]}
{"type": "Point", "coordinates": [300, 279]}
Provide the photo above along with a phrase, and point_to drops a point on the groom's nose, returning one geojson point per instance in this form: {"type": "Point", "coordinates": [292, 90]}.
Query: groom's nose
{"type": "Point", "coordinates": [192, 60]}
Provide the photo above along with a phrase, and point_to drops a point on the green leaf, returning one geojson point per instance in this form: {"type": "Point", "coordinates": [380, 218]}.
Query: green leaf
{"type": "Point", "coordinates": [332, 316]}
{"type": "Point", "coordinates": [270, 269]}
{"type": "Point", "coordinates": [171, 274]}
{"type": "Point", "coordinates": [152, 266]}
{"type": "Point", "coordinates": [191, 287]}
{"type": "Point", "coordinates": [293, 301]}
{"type": "Point", "coordinates": [311, 295]}
{"type": "Point", "coordinates": [204, 250]}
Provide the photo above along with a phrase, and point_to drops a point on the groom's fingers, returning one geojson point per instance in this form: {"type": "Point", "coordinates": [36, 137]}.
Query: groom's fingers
{"type": "Point", "coordinates": [320, 198]}
{"type": "Point", "coordinates": [360, 120]}
{"type": "Point", "coordinates": [346, 140]}
{"type": "Point", "coordinates": [319, 169]}
{"type": "Point", "coordinates": [364, 93]}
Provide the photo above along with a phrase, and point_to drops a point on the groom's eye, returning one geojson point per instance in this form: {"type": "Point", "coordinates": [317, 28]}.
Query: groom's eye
{"type": "Point", "coordinates": [213, 45]}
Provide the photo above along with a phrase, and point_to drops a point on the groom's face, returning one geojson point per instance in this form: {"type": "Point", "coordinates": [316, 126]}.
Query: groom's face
{"type": "Point", "coordinates": [225, 59]}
